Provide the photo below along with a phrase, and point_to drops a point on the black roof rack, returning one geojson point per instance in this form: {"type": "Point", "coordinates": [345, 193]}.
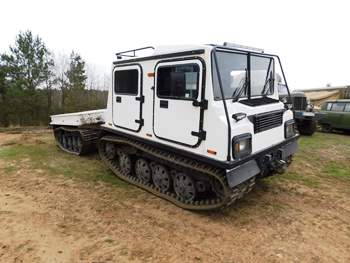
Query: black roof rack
{"type": "Point", "coordinates": [122, 54]}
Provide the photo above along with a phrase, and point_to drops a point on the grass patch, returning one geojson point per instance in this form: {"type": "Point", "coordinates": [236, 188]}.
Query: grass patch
{"type": "Point", "coordinates": [336, 170]}
{"type": "Point", "coordinates": [49, 158]}
{"type": "Point", "coordinates": [10, 169]}
{"type": "Point", "coordinates": [308, 181]}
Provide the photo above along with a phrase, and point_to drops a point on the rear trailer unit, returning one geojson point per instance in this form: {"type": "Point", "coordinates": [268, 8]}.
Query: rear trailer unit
{"type": "Point", "coordinates": [195, 125]}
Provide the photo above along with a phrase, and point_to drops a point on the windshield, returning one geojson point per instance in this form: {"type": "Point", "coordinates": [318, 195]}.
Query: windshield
{"type": "Point", "coordinates": [233, 68]}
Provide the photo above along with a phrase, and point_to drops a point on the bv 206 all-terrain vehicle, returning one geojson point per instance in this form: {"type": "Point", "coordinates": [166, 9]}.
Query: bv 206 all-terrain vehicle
{"type": "Point", "coordinates": [195, 125]}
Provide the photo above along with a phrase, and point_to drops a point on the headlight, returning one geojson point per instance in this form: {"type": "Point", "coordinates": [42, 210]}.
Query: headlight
{"type": "Point", "coordinates": [242, 145]}
{"type": "Point", "coordinates": [289, 129]}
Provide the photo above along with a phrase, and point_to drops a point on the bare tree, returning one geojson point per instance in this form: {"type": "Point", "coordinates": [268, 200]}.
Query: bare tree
{"type": "Point", "coordinates": [61, 82]}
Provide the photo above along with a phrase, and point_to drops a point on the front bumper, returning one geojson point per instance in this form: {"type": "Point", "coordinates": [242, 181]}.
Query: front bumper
{"type": "Point", "coordinates": [262, 162]}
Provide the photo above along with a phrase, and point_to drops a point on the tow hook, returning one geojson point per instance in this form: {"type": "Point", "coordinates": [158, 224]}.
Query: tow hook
{"type": "Point", "coordinates": [279, 166]}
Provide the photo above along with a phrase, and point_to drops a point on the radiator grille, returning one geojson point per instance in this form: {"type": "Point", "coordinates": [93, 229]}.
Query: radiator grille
{"type": "Point", "coordinates": [299, 103]}
{"type": "Point", "coordinates": [268, 120]}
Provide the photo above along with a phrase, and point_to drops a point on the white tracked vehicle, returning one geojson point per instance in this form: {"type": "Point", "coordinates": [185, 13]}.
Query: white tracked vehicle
{"type": "Point", "coordinates": [195, 125]}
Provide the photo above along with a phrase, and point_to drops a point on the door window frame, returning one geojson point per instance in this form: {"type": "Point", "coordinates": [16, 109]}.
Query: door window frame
{"type": "Point", "coordinates": [200, 72]}
{"type": "Point", "coordinates": [138, 82]}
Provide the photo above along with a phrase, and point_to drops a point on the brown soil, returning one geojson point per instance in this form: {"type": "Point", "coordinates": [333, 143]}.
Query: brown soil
{"type": "Point", "coordinates": [47, 218]}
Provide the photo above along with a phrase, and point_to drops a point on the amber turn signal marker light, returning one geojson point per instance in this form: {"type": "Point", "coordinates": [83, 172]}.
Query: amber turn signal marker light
{"type": "Point", "coordinates": [211, 152]}
{"type": "Point", "coordinates": [150, 74]}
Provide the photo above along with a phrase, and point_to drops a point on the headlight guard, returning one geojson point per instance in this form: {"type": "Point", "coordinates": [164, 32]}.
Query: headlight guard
{"type": "Point", "coordinates": [289, 129]}
{"type": "Point", "coordinates": [242, 145]}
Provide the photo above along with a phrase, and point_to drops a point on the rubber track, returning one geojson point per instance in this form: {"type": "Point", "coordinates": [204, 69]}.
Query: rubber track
{"type": "Point", "coordinates": [89, 139]}
{"type": "Point", "coordinates": [230, 194]}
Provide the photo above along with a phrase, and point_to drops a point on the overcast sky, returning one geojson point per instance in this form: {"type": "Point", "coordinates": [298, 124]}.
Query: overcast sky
{"type": "Point", "coordinates": [311, 37]}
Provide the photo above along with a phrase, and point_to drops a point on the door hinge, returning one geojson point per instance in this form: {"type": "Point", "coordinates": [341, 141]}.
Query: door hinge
{"type": "Point", "coordinates": [201, 134]}
{"type": "Point", "coordinates": [202, 104]}
{"type": "Point", "coordinates": [141, 99]}
{"type": "Point", "coordinates": [140, 121]}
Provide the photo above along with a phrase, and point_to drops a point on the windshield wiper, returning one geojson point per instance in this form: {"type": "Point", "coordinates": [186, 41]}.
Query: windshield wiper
{"type": "Point", "coordinates": [237, 93]}
{"type": "Point", "coordinates": [266, 88]}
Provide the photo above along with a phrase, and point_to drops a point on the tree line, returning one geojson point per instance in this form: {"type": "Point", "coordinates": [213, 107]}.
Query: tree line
{"type": "Point", "coordinates": [34, 83]}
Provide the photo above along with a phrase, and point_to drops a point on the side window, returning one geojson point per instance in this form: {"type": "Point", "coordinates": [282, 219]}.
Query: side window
{"type": "Point", "coordinates": [126, 81]}
{"type": "Point", "coordinates": [338, 107]}
{"type": "Point", "coordinates": [347, 107]}
{"type": "Point", "coordinates": [178, 81]}
{"type": "Point", "coordinates": [329, 106]}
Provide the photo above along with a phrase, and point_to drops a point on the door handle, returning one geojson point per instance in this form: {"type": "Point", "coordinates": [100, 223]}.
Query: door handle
{"type": "Point", "coordinates": [118, 99]}
{"type": "Point", "coordinates": [163, 104]}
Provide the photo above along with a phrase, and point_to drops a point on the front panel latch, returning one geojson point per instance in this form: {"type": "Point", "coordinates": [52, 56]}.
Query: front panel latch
{"type": "Point", "coordinates": [202, 135]}
{"type": "Point", "coordinates": [202, 104]}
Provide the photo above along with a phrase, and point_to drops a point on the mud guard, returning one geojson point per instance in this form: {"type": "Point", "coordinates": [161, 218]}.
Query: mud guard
{"type": "Point", "coordinates": [242, 173]}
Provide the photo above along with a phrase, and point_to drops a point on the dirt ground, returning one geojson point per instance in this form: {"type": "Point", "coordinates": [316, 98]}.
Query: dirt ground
{"type": "Point", "coordinates": [53, 215]}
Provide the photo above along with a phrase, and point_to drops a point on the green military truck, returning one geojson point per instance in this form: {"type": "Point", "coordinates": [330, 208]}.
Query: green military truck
{"type": "Point", "coordinates": [304, 115]}
{"type": "Point", "coordinates": [336, 115]}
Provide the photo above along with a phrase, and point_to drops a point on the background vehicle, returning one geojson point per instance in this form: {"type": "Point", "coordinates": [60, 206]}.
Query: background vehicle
{"type": "Point", "coordinates": [304, 115]}
{"type": "Point", "coordinates": [336, 115]}
{"type": "Point", "coordinates": [192, 124]}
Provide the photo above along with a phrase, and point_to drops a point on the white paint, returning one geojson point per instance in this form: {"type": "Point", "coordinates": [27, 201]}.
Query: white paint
{"type": "Point", "coordinates": [78, 118]}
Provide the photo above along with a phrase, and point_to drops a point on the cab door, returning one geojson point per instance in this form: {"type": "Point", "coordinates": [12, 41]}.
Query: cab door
{"type": "Point", "coordinates": [336, 114]}
{"type": "Point", "coordinates": [178, 102]}
{"type": "Point", "coordinates": [345, 121]}
{"type": "Point", "coordinates": [127, 97]}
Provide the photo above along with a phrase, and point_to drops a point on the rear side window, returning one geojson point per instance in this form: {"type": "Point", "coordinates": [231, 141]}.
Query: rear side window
{"type": "Point", "coordinates": [338, 106]}
{"type": "Point", "coordinates": [178, 81]}
{"type": "Point", "coordinates": [329, 106]}
{"type": "Point", "coordinates": [126, 81]}
{"type": "Point", "coordinates": [347, 107]}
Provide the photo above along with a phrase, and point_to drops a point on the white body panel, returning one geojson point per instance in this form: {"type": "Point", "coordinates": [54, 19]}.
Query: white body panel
{"type": "Point", "coordinates": [79, 118]}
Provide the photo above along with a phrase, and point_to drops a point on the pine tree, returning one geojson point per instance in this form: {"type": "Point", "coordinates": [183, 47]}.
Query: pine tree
{"type": "Point", "coordinates": [29, 63]}
{"type": "Point", "coordinates": [73, 94]}
{"type": "Point", "coordinates": [76, 74]}
{"type": "Point", "coordinates": [28, 67]}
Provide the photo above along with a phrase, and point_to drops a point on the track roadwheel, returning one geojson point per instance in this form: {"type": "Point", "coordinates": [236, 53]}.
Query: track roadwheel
{"type": "Point", "coordinates": [64, 141]}
{"type": "Point", "coordinates": [218, 189]}
{"type": "Point", "coordinates": [79, 143]}
{"type": "Point", "coordinates": [142, 170]}
{"type": "Point", "coordinates": [184, 187]}
{"type": "Point", "coordinates": [125, 162]}
{"type": "Point", "coordinates": [110, 150]}
{"type": "Point", "coordinates": [161, 177]}
{"type": "Point", "coordinates": [75, 143]}
{"type": "Point", "coordinates": [69, 142]}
